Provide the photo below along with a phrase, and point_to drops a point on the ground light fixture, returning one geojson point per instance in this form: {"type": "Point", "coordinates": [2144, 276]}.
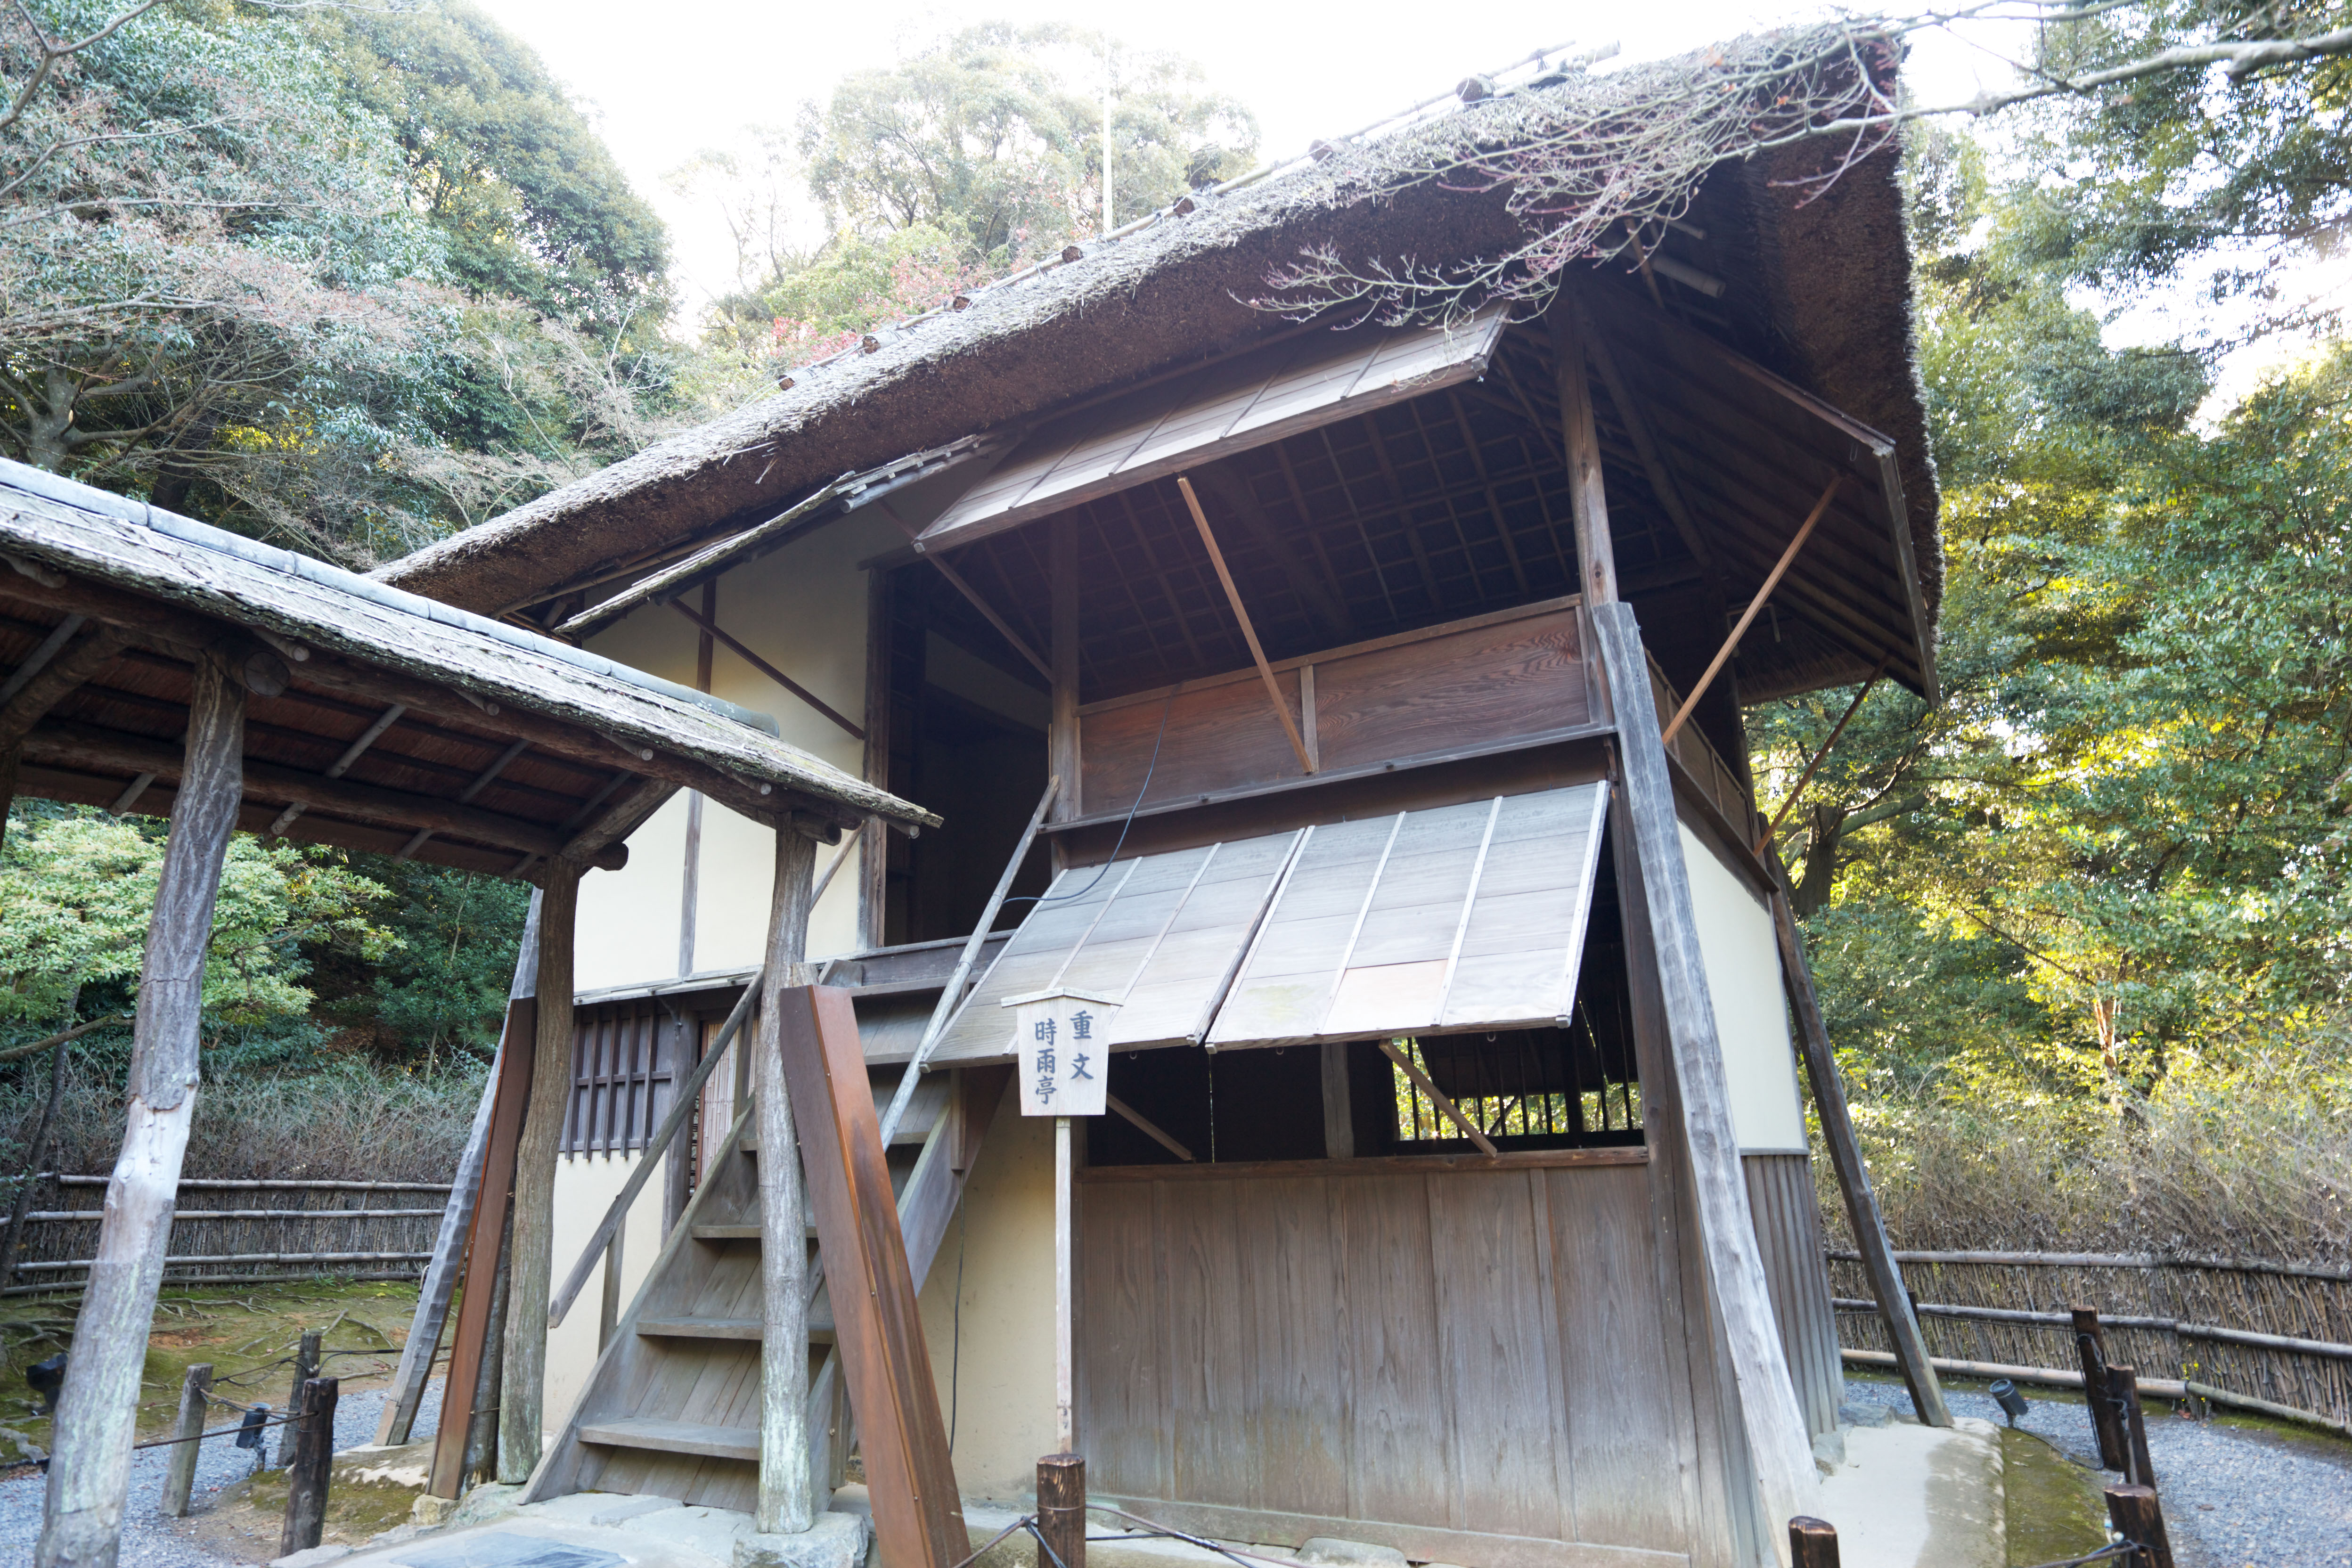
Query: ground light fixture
{"type": "Point", "coordinates": [2005, 1395]}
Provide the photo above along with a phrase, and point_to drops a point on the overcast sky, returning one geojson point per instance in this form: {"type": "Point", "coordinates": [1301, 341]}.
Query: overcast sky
{"type": "Point", "coordinates": [665, 81]}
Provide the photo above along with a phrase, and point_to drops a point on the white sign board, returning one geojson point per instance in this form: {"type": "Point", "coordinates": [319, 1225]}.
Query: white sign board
{"type": "Point", "coordinates": [1058, 1037]}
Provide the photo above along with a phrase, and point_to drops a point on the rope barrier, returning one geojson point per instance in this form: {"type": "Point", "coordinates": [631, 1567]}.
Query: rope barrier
{"type": "Point", "coordinates": [216, 1432]}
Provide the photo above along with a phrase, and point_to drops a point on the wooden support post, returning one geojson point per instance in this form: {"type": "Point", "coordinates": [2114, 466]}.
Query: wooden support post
{"type": "Point", "coordinates": [477, 1438]}
{"type": "Point", "coordinates": [1779, 1446]}
{"type": "Point", "coordinates": [2123, 1390]}
{"type": "Point", "coordinates": [180, 1469]}
{"type": "Point", "coordinates": [1339, 1107]}
{"type": "Point", "coordinates": [677, 1155]}
{"type": "Point", "coordinates": [306, 1367]}
{"type": "Point", "coordinates": [523, 1384]}
{"type": "Point", "coordinates": [1062, 1508]}
{"type": "Point", "coordinates": [1765, 839]}
{"type": "Point", "coordinates": [712, 628]}
{"type": "Point", "coordinates": [918, 1516]}
{"type": "Point", "coordinates": [2138, 1518]}
{"type": "Point", "coordinates": [310, 1467]}
{"type": "Point", "coordinates": [97, 1416]}
{"type": "Point", "coordinates": [1812, 1543]}
{"type": "Point", "coordinates": [1596, 556]}
{"type": "Point", "coordinates": [1065, 1401]}
{"type": "Point", "coordinates": [2091, 1345]}
{"type": "Point", "coordinates": [480, 1341]}
{"type": "Point", "coordinates": [1853, 1177]}
{"type": "Point", "coordinates": [1062, 739]}
{"type": "Point", "coordinates": [788, 1503]}
{"type": "Point", "coordinates": [440, 1284]}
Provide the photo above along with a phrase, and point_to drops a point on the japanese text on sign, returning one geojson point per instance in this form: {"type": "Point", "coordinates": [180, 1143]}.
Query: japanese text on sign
{"type": "Point", "coordinates": [1058, 1040]}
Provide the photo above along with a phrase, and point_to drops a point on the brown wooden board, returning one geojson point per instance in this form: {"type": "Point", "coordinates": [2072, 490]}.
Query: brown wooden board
{"type": "Point", "coordinates": [917, 1515]}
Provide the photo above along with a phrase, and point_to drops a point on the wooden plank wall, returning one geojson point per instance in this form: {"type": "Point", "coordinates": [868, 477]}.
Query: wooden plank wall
{"type": "Point", "coordinates": [1789, 1233]}
{"type": "Point", "coordinates": [1473, 1366]}
{"type": "Point", "coordinates": [1431, 693]}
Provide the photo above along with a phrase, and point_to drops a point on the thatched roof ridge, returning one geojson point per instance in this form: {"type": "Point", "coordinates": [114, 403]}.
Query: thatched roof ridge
{"type": "Point", "coordinates": [48, 523]}
{"type": "Point", "coordinates": [1174, 292]}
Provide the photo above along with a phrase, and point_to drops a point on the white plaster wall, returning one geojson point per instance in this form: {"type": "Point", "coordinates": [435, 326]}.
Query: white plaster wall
{"type": "Point", "coordinates": [1004, 1395]}
{"type": "Point", "coordinates": [585, 1186]}
{"type": "Point", "coordinates": [804, 610]}
{"type": "Point", "coordinates": [1751, 1012]}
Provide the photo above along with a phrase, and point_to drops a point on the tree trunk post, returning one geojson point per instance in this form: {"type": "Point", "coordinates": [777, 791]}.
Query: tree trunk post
{"type": "Point", "coordinates": [1812, 1543]}
{"type": "Point", "coordinates": [787, 1489]}
{"type": "Point", "coordinates": [523, 1386]}
{"type": "Point", "coordinates": [2138, 1518]}
{"type": "Point", "coordinates": [1062, 1509]}
{"type": "Point", "coordinates": [180, 1470]}
{"type": "Point", "coordinates": [306, 1367]}
{"type": "Point", "coordinates": [313, 1466]}
{"type": "Point", "coordinates": [98, 1415]}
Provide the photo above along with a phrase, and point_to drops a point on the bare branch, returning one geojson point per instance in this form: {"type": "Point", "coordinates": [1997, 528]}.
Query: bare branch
{"type": "Point", "coordinates": [52, 52]}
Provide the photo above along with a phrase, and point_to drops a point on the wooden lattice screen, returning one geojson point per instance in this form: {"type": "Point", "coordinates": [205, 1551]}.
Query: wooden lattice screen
{"type": "Point", "coordinates": [623, 1056]}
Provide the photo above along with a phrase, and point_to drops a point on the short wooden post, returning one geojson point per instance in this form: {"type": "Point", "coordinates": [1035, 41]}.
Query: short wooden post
{"type": "Point", "coordinates": [522, 1386]}
{"type": "Point", "coordinates": [2123, 1385]}
{"type": "Point", "coordinates": [180, 1469]}
{"type": "Point", "coordinates": [2091, 1345]}
{"type": "Point", "coordinates": [1812, 1542]}
{"type": "Point", "coordinates": [2138, 1518]}
{"type": "Point", "coordinates": [1062, 1509]}
{"type": "Point", "coordinates": [89, 1472]}
{"type": "Point", "coordinates": [312, 1463]}
{"type": "Point", "coordinates": [306, 1367]}
{"type": "Point", "coordinates": [608, 1310]}
{"type": "Point", "coordinates": [787, 1501]}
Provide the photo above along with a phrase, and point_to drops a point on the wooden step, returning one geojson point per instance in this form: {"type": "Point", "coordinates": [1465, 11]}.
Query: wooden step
{"type": "Point", "coordinates": [819, 1332]}
{"type": "Point", "coordinates": [676, 1437]}
{"type": "Point", "coordinates": [748, 1232]}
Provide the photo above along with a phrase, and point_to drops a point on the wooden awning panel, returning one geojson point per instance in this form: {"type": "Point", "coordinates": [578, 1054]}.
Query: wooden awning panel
{"type": "Point", "coordinates": [1459, 917]}
{"type": "Point", "coordinates": [1456, 917]}
{"type": "Point", "coordinates": [1231, 406]}
{"type": "Point", "coordinates": [1160, 936]}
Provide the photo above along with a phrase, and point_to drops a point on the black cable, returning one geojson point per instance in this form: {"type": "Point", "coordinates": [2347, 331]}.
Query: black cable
{"type": "Point", "coordinates": [1082, 892]}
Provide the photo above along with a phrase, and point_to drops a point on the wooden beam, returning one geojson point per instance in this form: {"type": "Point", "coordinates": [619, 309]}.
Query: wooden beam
{"type": "Point", "coordinates": [988, 611]}
{"type": "Point", "coordinates": [1755, 607]}
{"type": "Point", "coordinates": [1596, 555]}
{"type": "Point", "coordinates": [1148, 1128]}
{"type": "Point", "coordinates": [522, 1389]}
{"type": "Point", "coordinates": [711, 628]}
{"type": "Point", "coordinates": [1646, 449]}
{"type": "Point", "coordinates": [1780, 1449]}
{"type": "Point", "coordinates": [1062, 741]}
{"type": "Point", "coordinates": [1438, 1098]}
{"type": "Point", "coordinates": [788, 1501]}
{"type": "Point", "coordinates": [1853, 1177]}
{"type": "Point", "coordinates": [56, 682]}
{"type": "Point", "coordinates": [97, 1410]}
{"type": "Point", "coordinates": [917, 1515]}
{"type": "Point", "coordinates": [609, 827]}
{"type": "Point", "coordinates": [407, 1392]}
{"type": "Point", "coordinates": [1249, 633]}
{"type": "Point", "coordinates": [38, 659]}
{"type": "Point", "coordinates": [64, 745]}
{"type": "Point", "coordinates": [478, 1340]}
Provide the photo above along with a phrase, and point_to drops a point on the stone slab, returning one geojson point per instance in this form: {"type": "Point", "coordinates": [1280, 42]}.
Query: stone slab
{"type": "Point", "coordinates": [1333, 1552]}
{"type": "Point", "coordinates": [1909, 1495]}
{"type": "Point", "coordinates": [314, 1557]}
{"type": "Point", "coordinates": [837, 1540]}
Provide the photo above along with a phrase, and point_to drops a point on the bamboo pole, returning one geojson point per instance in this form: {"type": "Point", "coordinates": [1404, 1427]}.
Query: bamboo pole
{"type": "Point", "coordinates": [97, 1416]}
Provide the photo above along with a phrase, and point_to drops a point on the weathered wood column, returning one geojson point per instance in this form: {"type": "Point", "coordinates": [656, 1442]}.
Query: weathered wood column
{"type": "Point", "coordinates": [787, 1486]}
{"type": "Point", "coordinates": [522, 1389]}
{"type": "Point", "coordinates": [1732, 1265]}
{"type": "Point", "coordinates": [97, 1412]}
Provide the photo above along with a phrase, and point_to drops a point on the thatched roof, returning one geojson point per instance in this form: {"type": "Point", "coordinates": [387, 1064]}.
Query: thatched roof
{"type": "Point", "coordinates": [1822, 298]}
{"type": "Point", "coordinates": [167, 580]}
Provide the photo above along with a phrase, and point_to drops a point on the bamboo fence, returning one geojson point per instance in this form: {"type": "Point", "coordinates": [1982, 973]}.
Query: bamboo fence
{"type": "Point", "coordinates": [244, 1232]}
{"type": "Point", "coordinates": [2193, 1319]}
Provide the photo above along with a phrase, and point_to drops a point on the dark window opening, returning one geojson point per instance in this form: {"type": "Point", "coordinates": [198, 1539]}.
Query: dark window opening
{"type": "Point", "coordinates": [967, 728]}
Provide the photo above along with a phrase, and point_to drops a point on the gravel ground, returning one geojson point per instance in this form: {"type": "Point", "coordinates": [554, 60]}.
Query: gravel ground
{"type": "Point", "coordinates": [2234, 1497]}
{"type": "Point", "coordinates": [148, 1539]}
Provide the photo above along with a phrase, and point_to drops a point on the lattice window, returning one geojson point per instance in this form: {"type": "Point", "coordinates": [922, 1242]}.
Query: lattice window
{"type": "Point", "coordinates": [1528, 1088]}
{"type": "Point", "coordinates": [623, 1056]}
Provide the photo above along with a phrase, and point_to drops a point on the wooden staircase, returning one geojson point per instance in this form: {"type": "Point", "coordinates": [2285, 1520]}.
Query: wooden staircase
{"type": "Point", "coordinates": [673, 1406]}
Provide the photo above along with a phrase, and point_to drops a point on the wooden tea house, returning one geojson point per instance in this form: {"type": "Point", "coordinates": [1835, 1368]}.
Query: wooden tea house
{"type": "Point", "coordinates": [1349, 716]}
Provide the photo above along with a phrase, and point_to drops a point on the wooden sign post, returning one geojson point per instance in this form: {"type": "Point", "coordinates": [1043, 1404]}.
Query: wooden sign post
{"type": "Point", "coordinates": [1063, 1075]}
